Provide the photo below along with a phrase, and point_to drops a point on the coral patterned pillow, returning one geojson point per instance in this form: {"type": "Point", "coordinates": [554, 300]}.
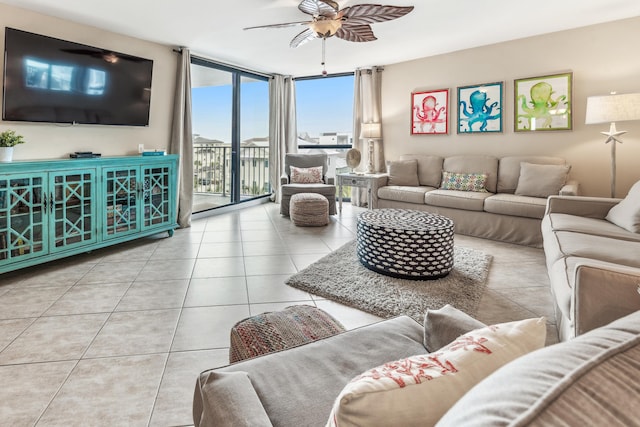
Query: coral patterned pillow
{"type": "Point", "coordinates": [464, 181]}
{"type": "Point", "coordinates": [306, 175]}
{"type": "Point", "coordinates": [419, 390]}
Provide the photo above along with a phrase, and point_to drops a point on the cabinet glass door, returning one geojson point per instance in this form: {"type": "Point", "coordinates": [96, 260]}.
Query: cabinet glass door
{"type": "Point", "coordinates": [72, 213]}
{"type": "Point", "coordinates": [23, 228]}
{"type": "Point", "coordinates": [121, 194]}
{"type": "Point", "coordinates": [155, 196]}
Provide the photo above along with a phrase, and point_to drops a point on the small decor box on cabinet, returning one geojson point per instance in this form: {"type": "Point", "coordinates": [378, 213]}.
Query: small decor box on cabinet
{"type": "Point", "coordinates": [154, 152]}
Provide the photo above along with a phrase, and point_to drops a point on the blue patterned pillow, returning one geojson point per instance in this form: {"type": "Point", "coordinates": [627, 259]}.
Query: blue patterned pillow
{"type": "Point", "coordinates": [464, 181]}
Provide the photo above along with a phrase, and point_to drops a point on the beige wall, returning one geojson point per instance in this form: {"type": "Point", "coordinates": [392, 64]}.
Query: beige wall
{"type": "Point", "coordinates": [58, 141]}
{"type": "Point", "coordinates": [602, 58]}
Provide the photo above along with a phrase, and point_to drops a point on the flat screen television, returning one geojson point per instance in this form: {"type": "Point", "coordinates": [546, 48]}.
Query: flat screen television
{"type": "Point", "coordinates": [57, 81]}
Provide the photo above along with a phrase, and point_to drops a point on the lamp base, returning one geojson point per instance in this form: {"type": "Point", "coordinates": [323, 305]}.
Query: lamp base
{"type": "Point", "coordinates": [613, 138]}
{"type": "Point", "coordinates": [370, 167]}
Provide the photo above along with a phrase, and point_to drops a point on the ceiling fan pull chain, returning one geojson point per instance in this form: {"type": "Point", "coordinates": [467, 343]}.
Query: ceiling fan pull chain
{"type": "Point", "coordinates": [324, 68]}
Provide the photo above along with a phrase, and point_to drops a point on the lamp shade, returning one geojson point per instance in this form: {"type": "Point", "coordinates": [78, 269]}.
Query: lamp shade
{"type": "Point", "coordinates": [370, 130]}
{"type": "Point", "coordinates": [613, 108]}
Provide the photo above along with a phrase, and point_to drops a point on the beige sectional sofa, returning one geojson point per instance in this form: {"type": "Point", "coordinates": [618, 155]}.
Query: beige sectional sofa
{"type": "Point", "coordinates": [573, 383]}
{"type": "Point", "coordinates": [593, 259]}
{"type": "Point", "coordinates": [510, 209]}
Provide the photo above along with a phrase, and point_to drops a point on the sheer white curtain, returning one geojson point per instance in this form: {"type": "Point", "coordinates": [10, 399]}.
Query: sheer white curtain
{"type": "Point", "coordinates": [367, 106]}
{"type": "Point", "coordinates": [182, 138]}
{"type": "Point", "coordinates": [282, 127]}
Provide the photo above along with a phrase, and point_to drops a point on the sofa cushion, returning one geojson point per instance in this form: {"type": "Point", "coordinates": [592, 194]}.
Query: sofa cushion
{"type": "Point", "coordinates": [297, 387]}
{"type": "Point", "coordinates": [594, 226]}
{"type": "Point", "coordinates": [466, 200]}
{"type": "Point", "coordinates": [626, 214]}
{"type": "Point", "coordinates": [429, 168]}
{"type": "Point", "coordinates": [445, 324]}
{"type": "Point", "coordinates": [541, 180]}
{"type": "Point", "coordinates": [510, 204]}
{"type": "Point", "coordinates": [574, 383]}
{"type": "Point", "coordinates": [464, 181]}
{"type": "Point", "coordinates": [617, 251]}
{"type": "Point", "coordinates": [403, 172]}
{"type": "Point", "coordinates": [509, 170]}
{"type": "Point", "coordinates": [403, 194]}
{"type": "Point", "coordinates": [418, 390]}
{"type": "Point", "coordinates": [475, 164]}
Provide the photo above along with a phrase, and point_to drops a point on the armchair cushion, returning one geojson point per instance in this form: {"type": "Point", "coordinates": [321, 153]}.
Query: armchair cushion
{"type": "Point", "coordinates": [312, 175]}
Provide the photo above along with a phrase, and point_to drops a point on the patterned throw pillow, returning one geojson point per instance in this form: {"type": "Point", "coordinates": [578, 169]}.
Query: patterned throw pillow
{"type": "Point", "coordinates": [306, 175]}
{"type": "Point", "coordinates": [464, 181]}
{"type": "Point", "coordinates": [419, 390]}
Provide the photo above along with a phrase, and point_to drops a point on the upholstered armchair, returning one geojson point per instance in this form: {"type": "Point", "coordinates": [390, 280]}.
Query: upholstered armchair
{"type": "Point", "coordinates": [307, 182]}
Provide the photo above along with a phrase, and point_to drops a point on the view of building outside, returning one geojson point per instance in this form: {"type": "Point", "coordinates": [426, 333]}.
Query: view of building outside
{"type": "Point", "coordinates": [324, 108]}
{"type": "Point", "coordinates": [212, 123]}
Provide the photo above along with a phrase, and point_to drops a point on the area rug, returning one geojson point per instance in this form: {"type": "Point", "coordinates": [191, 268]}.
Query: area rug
{"type": "Point", "coordinates": [340, 277]}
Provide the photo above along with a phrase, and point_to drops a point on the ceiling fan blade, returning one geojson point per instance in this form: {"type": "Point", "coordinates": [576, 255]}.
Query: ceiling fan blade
{"type": "Point", "coordinates": [285, 25]}
{"type": "Point", "coordinates": [317, 8]}
{"type": "Point", "coordinates": [371, 13]}
{"type": "Point", "coordinates": [356, 33]}
{"type": "Point", "coordinates": [303, 37]}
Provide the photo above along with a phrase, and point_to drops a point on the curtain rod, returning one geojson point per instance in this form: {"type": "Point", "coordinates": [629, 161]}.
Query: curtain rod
{"type": "Point", "coordinates": [224, 64]}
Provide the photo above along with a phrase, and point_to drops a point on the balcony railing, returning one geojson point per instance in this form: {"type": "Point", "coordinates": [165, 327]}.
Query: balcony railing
{"type": "Point", "coordinates": [212, 170]}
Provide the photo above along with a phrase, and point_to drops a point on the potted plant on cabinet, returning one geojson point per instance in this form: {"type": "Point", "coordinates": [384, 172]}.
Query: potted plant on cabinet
{"type": "Point", "coordinates": [8, 140]}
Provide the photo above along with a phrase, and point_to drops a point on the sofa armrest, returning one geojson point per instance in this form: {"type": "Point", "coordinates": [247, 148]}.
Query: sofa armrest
{"type": "Point", "coordinates": [330, 180]}
{"type": "Point", "coordinates": [284, 179]}
{"type": "Point", "coordinates": [590, 207]}
{"type": "Point", "coordinates": [378, 182]}
{"type": "Point", "coordinates": [571, 188]}
{"type": "Point", "coordinates": [227, 399]}
{"type": "Point", "coordinates": [603, 294]}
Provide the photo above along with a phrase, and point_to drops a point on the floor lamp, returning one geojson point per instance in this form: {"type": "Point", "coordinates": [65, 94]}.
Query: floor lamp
{"type": "Point", "coordinates": [371, 131]}
{"type": "Point", "coordinates": [611, 109]}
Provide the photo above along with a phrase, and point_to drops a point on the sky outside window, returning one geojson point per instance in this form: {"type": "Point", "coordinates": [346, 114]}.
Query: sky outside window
{"type": "Point", "coordinates": [324, 105]}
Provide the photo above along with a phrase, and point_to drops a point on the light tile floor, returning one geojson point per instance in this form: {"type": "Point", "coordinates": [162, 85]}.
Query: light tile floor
{"type": "Point", "coordinates": [117, 336]}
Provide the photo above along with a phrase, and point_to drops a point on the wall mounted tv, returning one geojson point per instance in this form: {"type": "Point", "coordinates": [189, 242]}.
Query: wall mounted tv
{"type": "Point", "coordinates": [57, 81]}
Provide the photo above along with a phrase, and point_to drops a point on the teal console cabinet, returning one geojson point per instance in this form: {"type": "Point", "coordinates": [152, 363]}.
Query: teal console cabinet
{"type": "Point", "coordinates": [52, 209]}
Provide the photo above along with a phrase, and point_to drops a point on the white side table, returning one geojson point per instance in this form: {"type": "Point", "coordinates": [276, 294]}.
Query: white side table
{"type": "Point", "coordinates": [360, 181]}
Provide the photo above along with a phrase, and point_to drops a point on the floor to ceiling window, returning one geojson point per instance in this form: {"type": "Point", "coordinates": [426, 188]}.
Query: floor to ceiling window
{"type": "Point", "coordinates": [324, 114]}
{"type": "Point", "coordinates": [230, 120]}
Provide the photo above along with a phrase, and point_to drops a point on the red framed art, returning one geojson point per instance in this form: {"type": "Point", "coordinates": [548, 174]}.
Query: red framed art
{"type": "Point", "coordinates": [430, 112]}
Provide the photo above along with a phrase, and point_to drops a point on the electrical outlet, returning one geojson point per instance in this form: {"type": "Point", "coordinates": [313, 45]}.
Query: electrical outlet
{"type": "Point", "coordinates": [140, 148]}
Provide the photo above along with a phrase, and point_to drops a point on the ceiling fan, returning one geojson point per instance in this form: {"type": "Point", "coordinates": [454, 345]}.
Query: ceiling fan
{"type": "Point", "coordinates": [351, 23]}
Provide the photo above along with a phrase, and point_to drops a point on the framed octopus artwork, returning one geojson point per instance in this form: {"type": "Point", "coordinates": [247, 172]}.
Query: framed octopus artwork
{"type": "Point", "coordinates": [430, 112]}
{"type": "Point", "coordinates": [543, 103]}
{"type": "Point", "coordinates": [480, 108]}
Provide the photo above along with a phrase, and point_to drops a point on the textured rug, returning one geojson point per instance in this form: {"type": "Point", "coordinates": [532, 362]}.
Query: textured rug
{"type": "Point", "coordinates": [340, 277]}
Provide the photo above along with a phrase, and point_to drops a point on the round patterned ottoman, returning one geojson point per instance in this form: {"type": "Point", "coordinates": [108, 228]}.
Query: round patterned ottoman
{"type": "Point", "coordinates": [309, 209]}
{"type": "Point", "coordinates": [405, 244]}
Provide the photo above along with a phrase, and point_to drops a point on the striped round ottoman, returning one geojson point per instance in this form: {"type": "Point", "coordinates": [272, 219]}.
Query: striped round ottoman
{"type": "Point", "coordinates": [406, 244]}
{"type": "Point", "coordinates": [279, 330]}
{"type": "Point", "coordinates": [309, 209]}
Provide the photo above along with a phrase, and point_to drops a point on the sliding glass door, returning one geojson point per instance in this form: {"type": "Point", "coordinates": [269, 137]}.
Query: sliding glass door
{"type": "Point", "coordinates": [230, 118]}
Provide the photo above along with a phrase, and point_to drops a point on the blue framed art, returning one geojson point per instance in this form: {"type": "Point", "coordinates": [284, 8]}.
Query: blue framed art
{"type": "Point", "coordinates": [480, 108]}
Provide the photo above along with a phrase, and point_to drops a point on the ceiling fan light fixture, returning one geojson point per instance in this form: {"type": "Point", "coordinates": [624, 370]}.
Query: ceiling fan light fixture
{"type": "Point", "coordinates": [325, 27]}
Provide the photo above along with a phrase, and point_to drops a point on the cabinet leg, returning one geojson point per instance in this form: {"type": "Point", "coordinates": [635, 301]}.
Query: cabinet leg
{"type": "Point", "coordinates": [170, 233]}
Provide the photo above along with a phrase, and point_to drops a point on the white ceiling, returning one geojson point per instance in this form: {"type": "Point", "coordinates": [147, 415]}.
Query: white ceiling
{"type": "Point", "coordinates": [214, 28]}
